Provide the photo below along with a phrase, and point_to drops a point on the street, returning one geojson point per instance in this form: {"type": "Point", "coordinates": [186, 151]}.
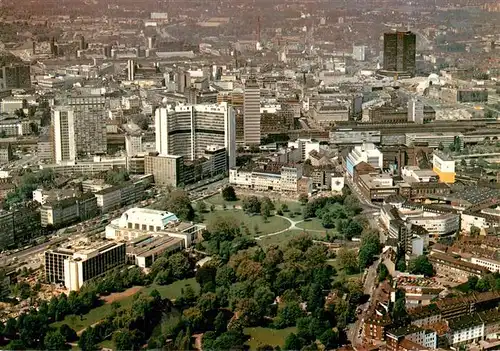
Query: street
{"type": "Point", "coordinates": [354, 333]}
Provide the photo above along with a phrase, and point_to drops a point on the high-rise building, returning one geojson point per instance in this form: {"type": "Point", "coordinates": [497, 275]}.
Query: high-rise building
{"type": "Point", "coordinates": [187, 130]}
{"type": "Point", "coordinates": [359, 52]}
{"type": "Point", "coordinates": [130, 70]}
{"type": "Point", "coordinates": [79, 127]}
{"type": "Point", "coordinates": [415, 111]}
{"type": "Point", "coordinates": [15, 76]}
{"type": "Point", "coordinates": [399, 52]}
{"type": "Point", "coordinates": [63, 134]}
{"type": "Point", "coordinates": [251, 112]}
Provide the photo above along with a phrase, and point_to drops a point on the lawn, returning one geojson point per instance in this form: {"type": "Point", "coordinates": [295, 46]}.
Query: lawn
{"type": "Point", "coordinates": [312, 224]}
{"type": "Point", "coordinates": [218, 200]}
{"type": "Point", "coordinates": [283, 238]}
{"type": "Point", "coordinates": [272, 225]}
{"type": "Point", "coordinates": [170, 291]}
{"type": "Point", "coordinates": [267, 336]}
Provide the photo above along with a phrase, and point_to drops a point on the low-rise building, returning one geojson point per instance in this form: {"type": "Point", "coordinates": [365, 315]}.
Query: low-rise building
{"type": "Point", "coordinates": [137, 222]}
{"type": "Point", "coordinates": [144, 250]}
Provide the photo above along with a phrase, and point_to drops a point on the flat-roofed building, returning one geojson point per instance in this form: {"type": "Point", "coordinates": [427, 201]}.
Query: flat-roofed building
{"type": "Point", "coordinates": [166, 169]}
{"type": "Point", "coordinates": [366, 152]}
{"type": "Point", "coordinates": [146, 249]}
{"type": "Point", "coordinates": [187, 130]}
{"type": "Point", "coordinates": [73, 266]}
{"type": "Point", "coordinates": [58, 214]}
{"type": "Point", "coordinates": [444, 166]}
{"type": "Point", "coordinates": [137, 222]}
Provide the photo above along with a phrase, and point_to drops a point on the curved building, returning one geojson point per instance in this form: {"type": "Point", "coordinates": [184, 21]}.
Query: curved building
{"type": "Point", "coordinates": [187, 130]}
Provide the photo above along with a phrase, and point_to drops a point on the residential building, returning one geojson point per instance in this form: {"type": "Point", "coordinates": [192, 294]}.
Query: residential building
{"type": "Point", "coordinates": [400, 52]}
{"type": "Point", "coordinates": [187, 130]}
{"type": "Point", "coordinates": [465, 330]}
{"type": "Point", "coordinates": [448, 265]}
{"type": "Point", "coordinates": [114, 197]}
{"type": "Point", "coordinates": [489, 264]}
{"type": "Point", "coordinates": [6, 153]}
{"type": "Point", "coordinates": [425, 338]}
{"type": "Point", "coordinates": [43, 196]}
{"type": "Point", "coordinates": [54, 264]}
{"type": "Point", "coordinates": [251, 112]}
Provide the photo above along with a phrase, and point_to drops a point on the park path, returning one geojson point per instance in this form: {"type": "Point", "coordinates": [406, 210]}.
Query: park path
{"type": "Point", "coordinates": [293, 226]}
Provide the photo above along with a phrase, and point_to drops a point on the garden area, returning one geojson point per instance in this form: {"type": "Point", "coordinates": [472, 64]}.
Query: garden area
{"type": "Point", "coordinates": [170, 291]}
{"type": "Point", "coordinates": [251, 224]}
{"type": "Point", "coordinates": [267, 336]}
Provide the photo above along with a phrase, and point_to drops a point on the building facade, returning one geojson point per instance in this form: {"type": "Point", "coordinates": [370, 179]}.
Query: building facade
{"type": "Point", "coordinates": [187, 130]}
{"type": "Point", "coordinates": [400, 52]}
{"type": "Point", "coordinates": [251, 112]}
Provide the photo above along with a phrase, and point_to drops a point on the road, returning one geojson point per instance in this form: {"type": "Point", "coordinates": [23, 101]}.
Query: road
{"type": "Point", "coordinates": [365, 203]}
{"type": "Point", "coordinates": [354, 333]}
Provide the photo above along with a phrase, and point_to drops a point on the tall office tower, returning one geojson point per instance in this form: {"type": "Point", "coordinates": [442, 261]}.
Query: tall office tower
{"type": "Point", "coordinates": [187, 130]}
{"type": "Point", "coordinates": [82, 45]}
{"type": "Point", "coordinates": [15, 76]}
{"type": "Point", "coordinates": [63, 134]}
{"type": "Point", "coordinates": [359, 52]}
{"type": "Point", "coordinates": [251, 112]}
{"type": "Point", "coordinates": [79, 127]}
{"type": "Point", "coordinates": [183, 81]}
{"type": "Point", "coordinates": [415, 111]}
{"type": "Point", "coordinates": [399, 52]}
{"type": "Point", "coordinates": [130, 69]}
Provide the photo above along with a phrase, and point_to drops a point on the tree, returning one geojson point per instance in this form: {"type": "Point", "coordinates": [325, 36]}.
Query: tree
{"type": "Point", "coordinates": [474, 231]}
{"type": "Point", "coordinates": [288, 315]}
{"type": "Point", "coordinates": [330, 339]}
{"type": "Point", "coordinates": [178, 202]}
{"type": "Point", "coordinates": [303, 199]}
{"type": "Point", "coordinates": [123, 340]}
{"type": "Point", "coordinates": [421, 265]}
{"type": "Point", "coordinates": [383, 272]}
{"type": "Point", "coordinates": [228, 194]}
{"type": "Point", "coordinates": [370, 247]}
{"type": "Point", "coordinates": [264, 297]}
{"type": "Point", "coordinates": [293, 343]}
{"type": "Point", "coordinates": [463, 163]}
{"type": "Point", "coordinates": [212, 208]}
{"type": "Point", "coordinates": [68, 333]}
{"type": "Point", "coordinates": [251, 204]}
{"type": "Point", "coordinates": [284, 208]}
{"type": "Point", "coordinates": [193, 317]}
{"type": "Point", "coordinates": [88, 340]}
{"type": "Point", "coordinates": [440, 146]}
{"type": "Point", "coordinates": [354, 229]}
{"type": "Point", "coordinates": [201, 207]}
{"type": "Point", "coordinates": [54, 340]}
{"type": "Point", "coordinates": [472, 282]}
{"type": "Point", "coordinates": [348, 260]}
